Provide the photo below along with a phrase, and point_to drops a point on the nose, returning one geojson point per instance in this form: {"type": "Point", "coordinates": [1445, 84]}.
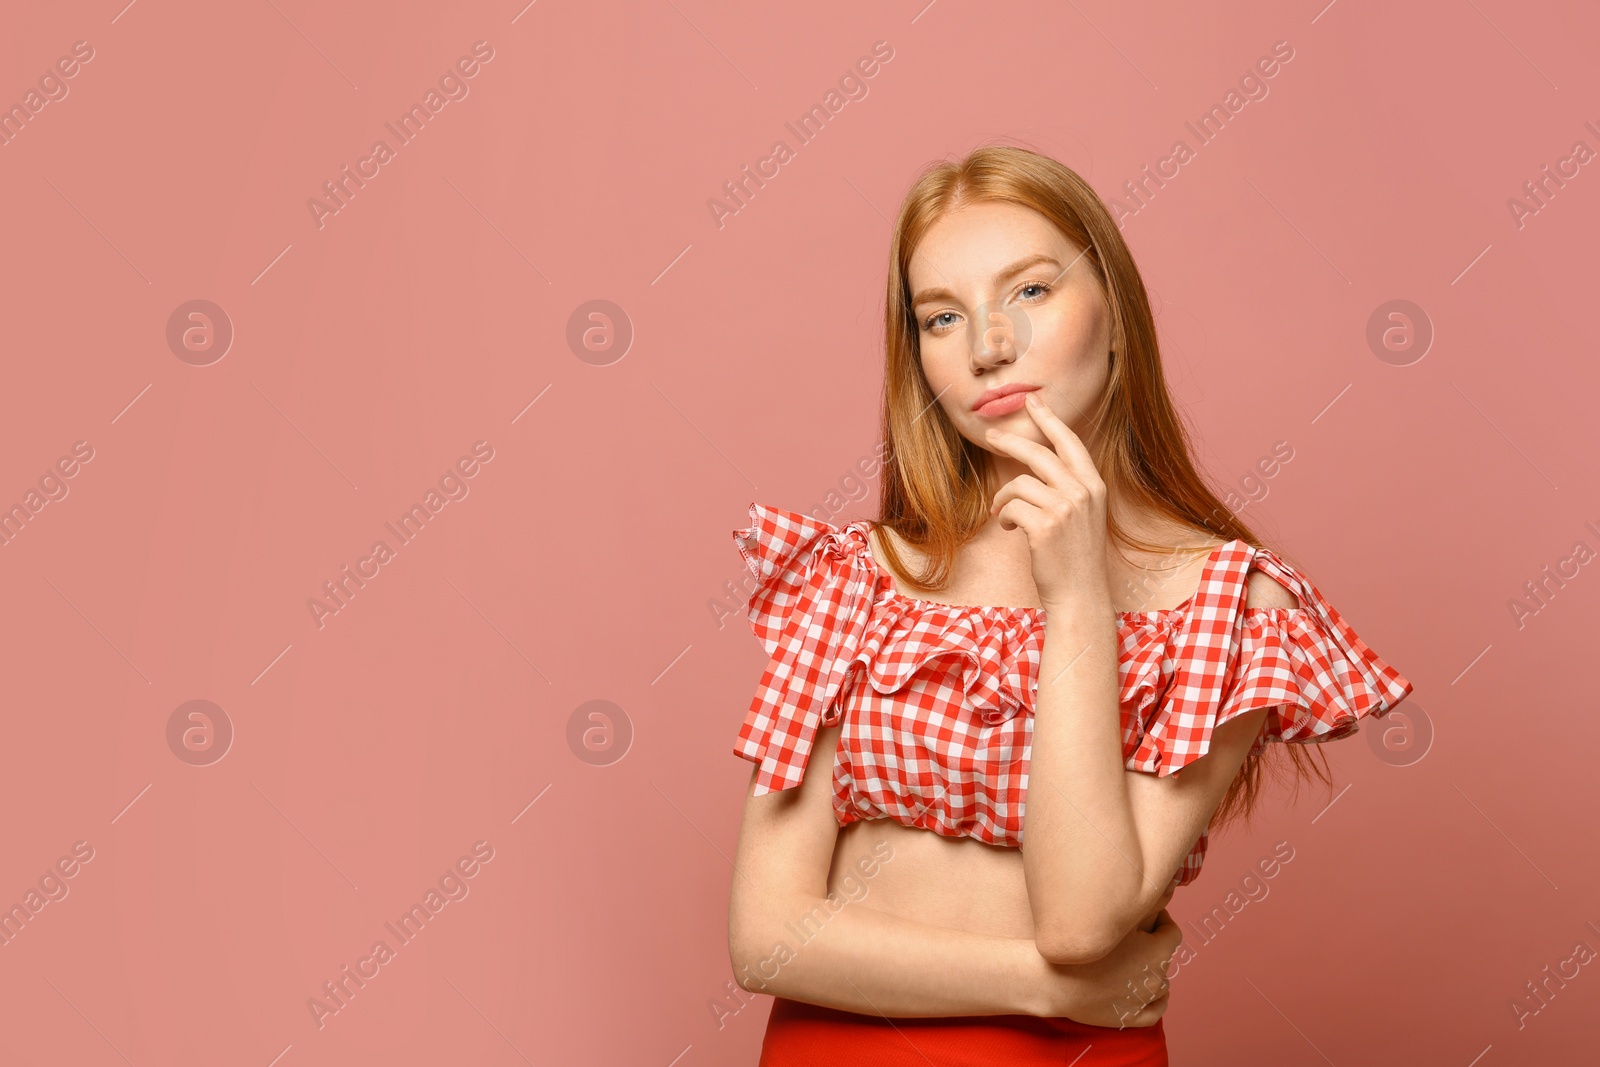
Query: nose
{"type": "Point", "coordinates": [993, 339]}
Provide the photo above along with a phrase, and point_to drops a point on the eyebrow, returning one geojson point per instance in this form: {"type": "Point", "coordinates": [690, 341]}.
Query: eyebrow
{"type": "Point", "coordinates": [929, 295]}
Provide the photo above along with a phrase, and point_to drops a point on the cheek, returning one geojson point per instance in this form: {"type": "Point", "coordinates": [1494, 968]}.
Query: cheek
{"type": "Point", "coordinates": [941, 379]}
{"type": "Point", "coordinates": [937, 372]}
{"type": "Point", "coordinates": [1068, 331]}
{"type": "Point", "coordinates": [1069, 347]}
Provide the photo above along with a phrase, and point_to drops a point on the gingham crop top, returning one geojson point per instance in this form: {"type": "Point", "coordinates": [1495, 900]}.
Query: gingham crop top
{"type": "Point", "coordinates": [936, 700]}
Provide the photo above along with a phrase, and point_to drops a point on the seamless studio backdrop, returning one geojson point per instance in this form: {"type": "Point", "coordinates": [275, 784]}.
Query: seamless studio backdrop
{"type": "Point", "coordinates": [382, 383]}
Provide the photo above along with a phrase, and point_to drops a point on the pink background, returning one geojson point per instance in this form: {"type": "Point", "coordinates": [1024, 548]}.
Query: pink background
{"type": "Point", "coordinates": [591, 556]}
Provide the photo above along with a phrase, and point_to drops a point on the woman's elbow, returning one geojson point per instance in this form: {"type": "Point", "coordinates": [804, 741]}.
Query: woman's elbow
{"type": "Point", "coordinates": [742, 935]}
{"type": "Point", "coordinates": [1075, 947]}
{"type": "Point", "coordinates": [745, 965]}
{"type": "Point", "coordinates": [757, 971]}
{"type": "Point", "coordinates": [751, 952]}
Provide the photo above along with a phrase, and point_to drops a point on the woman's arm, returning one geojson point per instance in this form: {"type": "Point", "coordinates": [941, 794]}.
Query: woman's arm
{"type": "Point", "coordinates": [787, 937]}
{"type": "Point", "coordinates": [1104, 842]}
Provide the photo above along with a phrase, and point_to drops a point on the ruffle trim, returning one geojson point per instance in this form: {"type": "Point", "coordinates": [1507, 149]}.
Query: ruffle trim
{"type": "Point", "coordinates": [1183, 671]}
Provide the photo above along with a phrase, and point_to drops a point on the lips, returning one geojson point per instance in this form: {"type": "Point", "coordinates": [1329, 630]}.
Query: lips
{"type": "Point", "coordinates": [1000, 393]}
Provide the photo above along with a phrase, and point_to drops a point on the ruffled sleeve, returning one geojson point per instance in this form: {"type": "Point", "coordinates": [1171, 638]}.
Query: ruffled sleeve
{"type": "Point", "coordinates": [810, 609]}
{"type": "Point", "coordinates": [1306, 664]}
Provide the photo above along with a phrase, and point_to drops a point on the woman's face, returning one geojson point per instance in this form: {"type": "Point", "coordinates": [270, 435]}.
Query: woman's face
{"type": "Point", "coordinates": [1000, 297]}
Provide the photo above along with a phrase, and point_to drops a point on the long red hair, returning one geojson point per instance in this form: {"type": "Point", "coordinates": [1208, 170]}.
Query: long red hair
{"type": "Point", "coordinates": [937, 485]}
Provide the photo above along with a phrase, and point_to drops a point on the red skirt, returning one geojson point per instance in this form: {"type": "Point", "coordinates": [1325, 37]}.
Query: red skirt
{"type": "Point", "coordinates": [804, 1035]}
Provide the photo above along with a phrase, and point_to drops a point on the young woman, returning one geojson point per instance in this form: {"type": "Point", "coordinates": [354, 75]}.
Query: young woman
{"type": "Point", "coordinates": [1054, 617]}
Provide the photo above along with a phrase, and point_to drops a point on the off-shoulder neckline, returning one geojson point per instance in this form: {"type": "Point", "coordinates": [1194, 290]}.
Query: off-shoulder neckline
{"type": "Point", "coordinates": [866, 526]}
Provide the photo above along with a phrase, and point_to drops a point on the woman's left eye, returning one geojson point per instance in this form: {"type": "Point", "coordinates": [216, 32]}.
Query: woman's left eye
{"type": "Point", "coordinates": [1035, 285]}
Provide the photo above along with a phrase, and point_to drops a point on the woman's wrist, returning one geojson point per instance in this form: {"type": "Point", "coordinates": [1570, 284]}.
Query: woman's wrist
{"type": "Point", "coordinates": [1081, 611]}
{"type": "Point", "coordinates": [1044, 989]}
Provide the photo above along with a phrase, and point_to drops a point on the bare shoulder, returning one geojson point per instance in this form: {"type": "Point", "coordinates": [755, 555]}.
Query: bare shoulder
{"type": "Point", "coordinates": [1263, 591]}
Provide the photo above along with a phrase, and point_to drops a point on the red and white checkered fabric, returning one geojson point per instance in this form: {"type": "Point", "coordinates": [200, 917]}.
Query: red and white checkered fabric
{"type": "Point", "coordinates": [929, 694]}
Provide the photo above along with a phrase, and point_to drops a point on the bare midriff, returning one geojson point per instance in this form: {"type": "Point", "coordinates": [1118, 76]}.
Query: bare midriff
{"type": "Point", "coordinates": [959, 883]}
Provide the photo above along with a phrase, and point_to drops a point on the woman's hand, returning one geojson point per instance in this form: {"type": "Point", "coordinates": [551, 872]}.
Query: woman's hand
{"type": "Point", "coordinates": [1128, 987]}
{"type": "Point", "coordinates": [1061, 507]}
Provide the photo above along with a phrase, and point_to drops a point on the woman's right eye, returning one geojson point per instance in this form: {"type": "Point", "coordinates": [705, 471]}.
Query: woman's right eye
{"type": "Point", "coordinates": [933, 320]}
